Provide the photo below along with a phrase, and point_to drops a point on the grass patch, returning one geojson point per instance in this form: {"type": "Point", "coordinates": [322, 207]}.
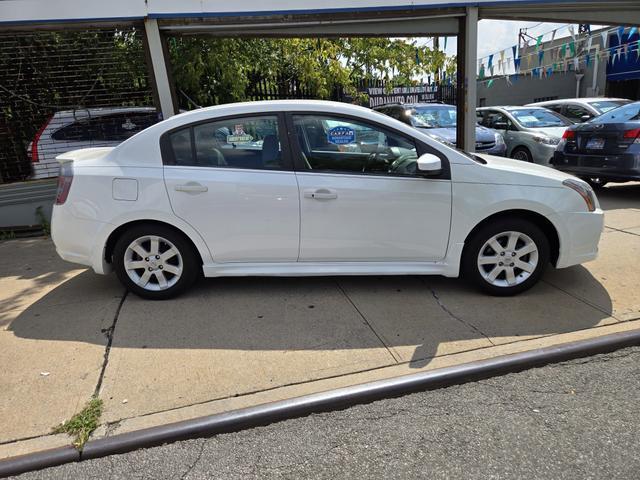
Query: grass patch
{"type": "Point", "coordinates": [83, 423]}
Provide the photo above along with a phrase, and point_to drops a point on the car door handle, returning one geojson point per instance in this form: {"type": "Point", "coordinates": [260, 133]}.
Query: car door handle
{"type": "Point", "coordinates": [191, 187]}
{"type": "Point", "coordinates": [321, 194]}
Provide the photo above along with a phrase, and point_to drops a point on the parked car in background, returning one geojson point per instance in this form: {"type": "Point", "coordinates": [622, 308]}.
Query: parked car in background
{"type": "Point", "coordinates": [92, 127]}
{"type": "Point", "coordinates": [530, 133]}
{"type": "Point", "coordinates": [605, 149]}
{"type": "Point", "coordinates": [439, 121]}
{"type": "Point", "coordinates": [300, 188]}
{"type": "Point", "coordinates": [580, 110]}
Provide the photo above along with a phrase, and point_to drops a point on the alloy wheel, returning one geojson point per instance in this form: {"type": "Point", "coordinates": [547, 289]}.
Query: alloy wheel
{"type": "Point", "coordinates": [153, 263]}
{"type": "Point", "coordinates": [508, 259]}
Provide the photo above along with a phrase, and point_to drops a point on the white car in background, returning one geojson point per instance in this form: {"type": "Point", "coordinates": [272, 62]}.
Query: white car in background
{"type": "Point", "coordinates": [580, 110]}
{"type": "Point", "coordinates": [91, 127]}
{"type": "Point", "coordinates": [299, 188]}
{"type": "Point", "coordinates": [531, 133]}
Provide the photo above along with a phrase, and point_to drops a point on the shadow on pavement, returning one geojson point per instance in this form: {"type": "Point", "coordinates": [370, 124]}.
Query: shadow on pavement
{"type": "Point", "coordinates": [416, 318]}
{"type": "Point", "coordinates": [619, 196]}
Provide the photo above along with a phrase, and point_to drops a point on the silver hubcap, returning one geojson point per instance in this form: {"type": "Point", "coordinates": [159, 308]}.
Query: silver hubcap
{"type": "Point", "coordinates": [508, 259]}
{"type": "Point", "coordinates": [521, 155]}
{"type": "Point", "coordinates": [153, 263]}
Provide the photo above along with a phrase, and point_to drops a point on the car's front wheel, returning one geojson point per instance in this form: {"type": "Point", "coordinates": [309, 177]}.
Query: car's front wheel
{"type": "Point", "coordinates": [506, 257]}
{"type": "Point", "coordinates": [523, 154]}
{"type": "Point", "coordinates": [155, 262]}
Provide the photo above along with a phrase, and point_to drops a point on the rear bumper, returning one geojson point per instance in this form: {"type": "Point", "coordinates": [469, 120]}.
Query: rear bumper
{"type": "Point", "coordinates": [624, 167]}
{"type": "Point", "coordinates": [77, 240]}
{"type": "Point", "coordinates": [579, 236]}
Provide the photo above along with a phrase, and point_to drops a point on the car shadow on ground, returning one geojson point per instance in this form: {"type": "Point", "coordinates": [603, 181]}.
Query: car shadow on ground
{"type": "Point", "coordinates": [619, 196]}
{"type": "Point", "coordinates": [414, 318]}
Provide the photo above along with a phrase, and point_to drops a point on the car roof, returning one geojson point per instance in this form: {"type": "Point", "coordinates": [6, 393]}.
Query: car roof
{"type": "Point", "coordinates": [509, 108]}
{"type": "Point", "coordinates": [99, 111]}
{"type": "Point", "coordinates": [579, 100]}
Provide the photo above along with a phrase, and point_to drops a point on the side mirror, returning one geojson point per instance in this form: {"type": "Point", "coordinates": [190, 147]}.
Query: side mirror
{"type": "Point", "coordinates": [500, 126]}
{"type": "Point", "coordinates": [585, 117]}
{"type": "Point", "coordinates": [429, 164]}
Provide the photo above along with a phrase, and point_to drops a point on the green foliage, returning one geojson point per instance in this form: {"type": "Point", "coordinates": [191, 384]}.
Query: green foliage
{"type": "Point", "coordinates": [44, 221]}
{"type": "Point", "coordinates": [218, 70]}
{"type": "Point", "coordinates": [83, 423]}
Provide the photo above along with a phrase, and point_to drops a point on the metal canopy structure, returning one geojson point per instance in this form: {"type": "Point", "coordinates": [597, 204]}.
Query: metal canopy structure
{"type": "Point", "coordinates": [313, 18]}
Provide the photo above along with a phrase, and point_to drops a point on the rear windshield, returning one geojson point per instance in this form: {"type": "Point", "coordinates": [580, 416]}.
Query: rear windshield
{"type": "Point", "coordinates": [604, 106]}
{"type": "Point", "coordinates": [539, 118]}
{"type": "Point", "coordinates": [435, 117]}
{"type": "Point", "coordinates": [627, 113]}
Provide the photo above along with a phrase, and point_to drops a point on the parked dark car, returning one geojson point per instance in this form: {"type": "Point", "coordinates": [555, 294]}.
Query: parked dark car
{"type": "Point", "coordinates": [440, 122]}
{"type": "Point", "coordinates": [605, 149]}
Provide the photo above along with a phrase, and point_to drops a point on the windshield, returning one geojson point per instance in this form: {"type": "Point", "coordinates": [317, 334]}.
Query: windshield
{"type": "Point", "coordinates": [603, 106]}
{"type": "Point", "coordinates": [628, 113]}
{"type": "Point", "coordinates": [539, 118]}
{"type": "Point", "coordinates": [435, 117]}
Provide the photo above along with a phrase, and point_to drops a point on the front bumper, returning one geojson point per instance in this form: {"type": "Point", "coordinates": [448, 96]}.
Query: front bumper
{"type": "Point", "coordinates": [579, 236]}
{"type": "Point", "coordinates": [499, 150]}
{"type": "Point", "coordinates": [624, 167]}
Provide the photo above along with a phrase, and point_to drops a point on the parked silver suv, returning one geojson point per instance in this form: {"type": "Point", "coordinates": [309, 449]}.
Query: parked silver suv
{"type": "Point", "coordinates": [580, 110]}
{"type": "Point", "coordinates": [531, 133]}
{"type": "Point", "coordinates": [93, 127]}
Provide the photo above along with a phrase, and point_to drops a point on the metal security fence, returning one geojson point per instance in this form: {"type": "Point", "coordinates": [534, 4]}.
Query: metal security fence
{"type": "Point", "coordinates": [62, 90]}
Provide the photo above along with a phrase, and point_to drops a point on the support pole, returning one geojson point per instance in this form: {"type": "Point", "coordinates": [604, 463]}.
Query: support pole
{"type": "Point", "coordinates": [467, 86]}
{"type": "Point", "coordinates": [159, 69]}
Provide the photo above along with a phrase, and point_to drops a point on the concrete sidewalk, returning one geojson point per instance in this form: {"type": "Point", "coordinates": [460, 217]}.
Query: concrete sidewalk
{"type": "Point", "coordinates": [230, 343]}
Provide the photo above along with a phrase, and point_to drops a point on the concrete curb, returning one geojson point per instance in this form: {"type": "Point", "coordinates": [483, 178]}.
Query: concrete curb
{"type": "Point", "coordinates": [319, 402]}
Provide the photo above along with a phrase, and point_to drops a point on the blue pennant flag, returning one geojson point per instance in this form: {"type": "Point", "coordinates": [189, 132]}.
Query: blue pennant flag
{"type": "Point", "coordinates": [620, 34]}
{"type": "Point", "coordinates": [540, 57]}
{"type": "Point", "coordinates": [632, 31]}
{"type": "Point", "coordinates": [515, 51]}
{"type": "Point", "coordinates": [549, 71]}
{"type": "Point", "coordinates": [516, 64]}
{"type": "Point", "coordinates": [587, 59]}
{"type": "Point", "coordinates": [490, 64]}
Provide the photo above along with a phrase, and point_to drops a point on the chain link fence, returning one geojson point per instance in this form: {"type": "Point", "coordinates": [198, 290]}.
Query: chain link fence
{"type": "Point", "coordinates": [63, 90]}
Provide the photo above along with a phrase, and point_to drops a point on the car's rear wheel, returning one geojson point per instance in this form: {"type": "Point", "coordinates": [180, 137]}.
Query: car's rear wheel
{"type": "Point", "coordinates": [506, 257]}
{"type": "Point", "coordinates": [155, 262]}
{"type": "Point", "coordinates": [595, 182]}
{"type": "Point", "coordinates": [523, 154]}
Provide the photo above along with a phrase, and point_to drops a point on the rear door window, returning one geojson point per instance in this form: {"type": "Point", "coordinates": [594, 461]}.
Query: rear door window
{"type": "Point", "coordinates": [240, 142]}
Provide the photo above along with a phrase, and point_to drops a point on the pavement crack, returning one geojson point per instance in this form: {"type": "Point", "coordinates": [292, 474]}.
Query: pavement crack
{"type": "Point", "coordinates": [195, 462]}
{"type": "Point", "coordinates": [455, 317]}
{"type": "Point", "coordinates": [396, 359]}
{"type": "Point", "coordinates": [109, 332]}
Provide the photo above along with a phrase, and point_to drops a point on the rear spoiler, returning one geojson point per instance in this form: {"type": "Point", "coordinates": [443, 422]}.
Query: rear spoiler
{"type": "Point", "coordinates": [83, 154]}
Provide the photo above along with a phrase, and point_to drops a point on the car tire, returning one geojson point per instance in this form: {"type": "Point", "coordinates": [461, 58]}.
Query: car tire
{"type": "Point", "coordinates": [523, 154]}
{"type": "Point", "coordinates": [595, 182]}
{"type": "Point", "coordinates": [481, 257]}
{"type": "Point", "coordinates": [155, 261]}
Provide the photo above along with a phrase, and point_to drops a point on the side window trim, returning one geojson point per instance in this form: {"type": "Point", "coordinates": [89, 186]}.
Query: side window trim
{"type": "Point", "coordinates": [167, 155]}
{"type": "Point", "coordinates": [421, 147]}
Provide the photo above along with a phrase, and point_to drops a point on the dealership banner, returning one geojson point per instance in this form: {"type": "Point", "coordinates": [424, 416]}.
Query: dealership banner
{"type": "Point", "coordinates": [417, 94]}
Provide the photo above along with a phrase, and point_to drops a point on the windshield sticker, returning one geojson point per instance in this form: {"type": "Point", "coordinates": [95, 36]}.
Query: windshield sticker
{"type": "Point", "coordinates": [239, 135]}
{"type": "Point", "coordinates": [341, 135]}
{"type": "Point", "coordinates": [528, 119]}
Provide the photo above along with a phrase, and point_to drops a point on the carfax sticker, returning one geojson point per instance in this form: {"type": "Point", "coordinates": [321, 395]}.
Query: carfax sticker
{"type": "Point", "coordinates": [341, 135]}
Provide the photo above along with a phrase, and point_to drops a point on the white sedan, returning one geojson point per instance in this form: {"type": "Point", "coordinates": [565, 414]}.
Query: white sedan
{"type": "Point", "coordinates": [299, 188]}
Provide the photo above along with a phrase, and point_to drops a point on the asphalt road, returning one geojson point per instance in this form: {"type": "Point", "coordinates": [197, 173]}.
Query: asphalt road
{"type": "Point", "coordinates": [577, 419]}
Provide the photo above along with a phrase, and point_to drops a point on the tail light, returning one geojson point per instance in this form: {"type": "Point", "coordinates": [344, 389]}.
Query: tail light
{"type": "Point", "coordinates": [64, 183]}
{"type": "Point", "coordinates": [569, 134]}
{"type": "Point", "coordinates": [35, 158]}
{"type": "Point", "coordinates": [633, 135]}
